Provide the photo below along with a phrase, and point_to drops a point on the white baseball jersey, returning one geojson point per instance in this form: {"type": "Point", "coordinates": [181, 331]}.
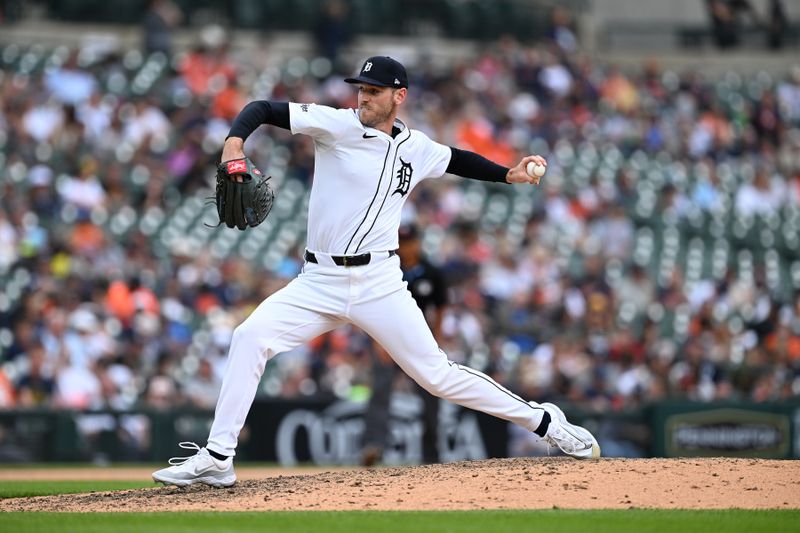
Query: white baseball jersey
{"type": "Point", "coordinates": [362, 176]}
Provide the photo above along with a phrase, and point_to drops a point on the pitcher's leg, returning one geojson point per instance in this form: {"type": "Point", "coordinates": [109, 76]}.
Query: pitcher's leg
{"type": "Point", "coordinates": [281, 322]}
{"type": "Point", "coordinates": [397, 323]}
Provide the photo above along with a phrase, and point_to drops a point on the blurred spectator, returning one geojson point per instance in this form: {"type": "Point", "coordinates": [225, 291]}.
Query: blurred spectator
{"type": "Point", "coordinates": [788, 93]}
{"type": "Point", "coordinates": [77, 387]}
{"type": "Point", "coordinates": [160, 19]}
{"type": "Point", "coordinates": [767, 121]}
{"type": "Point", "coordinates": [35, 387]}
{"type": "Point", "coordinates": [619, 92]}
{"type": "Point", "coordinates": [96, 115]}
{"type": "Point", "coordinates": [8, 242]}
{"type": "Point", "coordinates": [332, 30]}
{"type": "Point", "coordinates": [475, 132]}
{"type": "Point", "coordinates": [84, 191]}
{"type": "Point", "coordinates": [765, 195]}
{"type": "Point", "coordinates": [42, 196]}
{"type": "Point", "coordinates": [503, 277]}
{"type": "Point", "coordinates": [637, 290]}
{"type": "Point", "coordinates": [613, 233]}
{"type": "Point", "coordinates": [555, 77]}
{"type": "Point", "coordinates": [161, 393]}
{"type": "Point", "coordinates": [6, 391]}
{"type": "Point", "coordinates": [145, 122]}
{"type": "Point", "coordinates": [585, 289]}
{"type": "Point", "coordinates": [562, 31]}
{"type": "Point", "coordinates": [777, 23]}
{"type": "Point", "coordinates": [207, 68]}
{"type": "Point", "coordinates": [202, 390]}
{"type": "Point", "coordinates": [70, 84]}
{"type": "Point", "coordinates": [706, 194]}
{"type": "Point", "coordinates": [229, 101]}
{"type": "Point", "coordinates": [41, 119]}
{"type": "Point", "coordinates": [725, 22]}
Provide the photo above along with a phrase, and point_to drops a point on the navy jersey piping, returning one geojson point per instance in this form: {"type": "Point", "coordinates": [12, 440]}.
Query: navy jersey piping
{"type": "Point", "coordinates": [394, 161]}
{"type": "Point", "coordinates": [492, 382]}
{"type": "Point", "coordinates": [377, 190]}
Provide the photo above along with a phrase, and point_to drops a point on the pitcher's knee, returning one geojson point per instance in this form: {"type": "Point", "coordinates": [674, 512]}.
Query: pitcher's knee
{"type": "Point", "coordinates": [242, 333]}
{"type": "Point", "coordinates": [247, 334]}
{"type": "Point", "coordinates": [434, 381]}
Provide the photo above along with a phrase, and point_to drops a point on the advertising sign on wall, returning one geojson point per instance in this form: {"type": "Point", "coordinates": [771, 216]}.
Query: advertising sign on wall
{"type": "Point", "coordinates": [684, 430]}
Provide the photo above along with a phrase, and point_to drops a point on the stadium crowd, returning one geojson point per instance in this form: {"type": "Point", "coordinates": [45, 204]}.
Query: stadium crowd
{"type": "Point", "coordinates": [103, 321]}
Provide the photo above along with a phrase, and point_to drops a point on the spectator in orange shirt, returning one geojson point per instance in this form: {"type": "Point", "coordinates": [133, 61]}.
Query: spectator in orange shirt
{"type": "Point", "coordinates": [207, 68]}
{"type": "Point", "coordinates": [229, 101]}
{"type": "Point", "coordinates": [6, 391]}
{"type": "Point", "coordinates": [476, 133]}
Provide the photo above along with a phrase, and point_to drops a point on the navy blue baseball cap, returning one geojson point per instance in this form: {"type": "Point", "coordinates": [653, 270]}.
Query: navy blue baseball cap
{"type": "Point", "coordinates": [382, 71]}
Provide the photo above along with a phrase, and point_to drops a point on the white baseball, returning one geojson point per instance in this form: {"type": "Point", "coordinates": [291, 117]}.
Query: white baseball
{"type": "Point", "coordinates": [535, 170]}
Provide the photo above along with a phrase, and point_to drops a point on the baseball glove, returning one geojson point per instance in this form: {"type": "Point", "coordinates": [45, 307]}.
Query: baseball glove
{"type": "Point", "coordinates": [243, 196]}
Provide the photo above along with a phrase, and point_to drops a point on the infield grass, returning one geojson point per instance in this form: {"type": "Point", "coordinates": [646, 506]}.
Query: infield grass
{"type": "Point", "coordinates": [557, 521]}
{"type": "Point", "coordinates": [22, 489]}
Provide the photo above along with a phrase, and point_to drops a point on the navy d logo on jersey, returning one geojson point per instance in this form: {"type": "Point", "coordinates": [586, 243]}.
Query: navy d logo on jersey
{"type": "Point", "coordinates": [404, 178]}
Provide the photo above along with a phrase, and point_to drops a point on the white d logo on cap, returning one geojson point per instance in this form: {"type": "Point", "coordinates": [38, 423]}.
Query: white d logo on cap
{"type": "Point", "coordinates": [367, 66]}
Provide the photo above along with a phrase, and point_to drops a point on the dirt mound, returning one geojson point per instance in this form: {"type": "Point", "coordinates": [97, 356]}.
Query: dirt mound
{"type": "Point", "coordinates": [134, 473]}
{"type": "Point", "coordinates": [494, 484]}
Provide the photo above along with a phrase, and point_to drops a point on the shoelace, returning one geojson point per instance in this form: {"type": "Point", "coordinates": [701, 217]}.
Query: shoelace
{"type": "Point", "coordinates": [177, 461]}
{"type": "Point", "coordinates": [560, 437]}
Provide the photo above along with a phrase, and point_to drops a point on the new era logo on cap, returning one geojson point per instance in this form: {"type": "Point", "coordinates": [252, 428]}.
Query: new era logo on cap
{"type": "Point", "coordinates": [382, 71]}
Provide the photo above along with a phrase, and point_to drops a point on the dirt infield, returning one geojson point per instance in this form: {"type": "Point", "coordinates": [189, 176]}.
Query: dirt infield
{"type": "Point", "coordinates": [134, 473]}
{"type": "Point", "coordinates": [528, 483]}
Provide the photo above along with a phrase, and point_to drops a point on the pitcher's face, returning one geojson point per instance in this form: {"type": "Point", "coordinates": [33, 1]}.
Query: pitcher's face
{"type": "Point", "coordinates": [377, 105]}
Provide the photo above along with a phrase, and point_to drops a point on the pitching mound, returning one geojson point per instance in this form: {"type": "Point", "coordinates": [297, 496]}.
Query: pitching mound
{"type": "Point", "coordinates": [494, 484]}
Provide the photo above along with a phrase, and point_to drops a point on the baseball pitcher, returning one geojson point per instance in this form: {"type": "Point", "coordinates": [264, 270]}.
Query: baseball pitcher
{"type": "Point", "coordinates": [366, 163]}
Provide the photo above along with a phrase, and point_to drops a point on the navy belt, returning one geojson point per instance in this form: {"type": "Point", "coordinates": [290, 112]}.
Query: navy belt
{"type": "Point", "coordinates": [347, 260]}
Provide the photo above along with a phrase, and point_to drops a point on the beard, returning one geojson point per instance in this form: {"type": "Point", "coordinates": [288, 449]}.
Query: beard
{"type": "Point", "coordinates": [373, 117]}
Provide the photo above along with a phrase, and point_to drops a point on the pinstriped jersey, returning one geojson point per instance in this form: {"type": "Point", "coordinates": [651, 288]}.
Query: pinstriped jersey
{"type": "Point", "coordinates": [362, 177]}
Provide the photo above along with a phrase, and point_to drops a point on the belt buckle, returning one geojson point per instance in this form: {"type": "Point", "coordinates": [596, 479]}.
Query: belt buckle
{"type": "Point", "coordinates": [344, 261]}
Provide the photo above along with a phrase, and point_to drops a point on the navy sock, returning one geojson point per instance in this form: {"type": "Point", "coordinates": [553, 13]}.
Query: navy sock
{"type": "Point", "coordinates": [216, 455]}
{"type": "Point", "coordinates": [543, 425]}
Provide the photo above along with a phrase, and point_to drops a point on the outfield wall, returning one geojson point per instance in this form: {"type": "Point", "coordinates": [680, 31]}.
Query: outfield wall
{"type": "Point", "coordinates": [329, 432]}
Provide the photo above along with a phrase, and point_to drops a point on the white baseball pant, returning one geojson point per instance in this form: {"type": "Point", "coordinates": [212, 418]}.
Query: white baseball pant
{"type": "Point", "coordinates": [374, 298]}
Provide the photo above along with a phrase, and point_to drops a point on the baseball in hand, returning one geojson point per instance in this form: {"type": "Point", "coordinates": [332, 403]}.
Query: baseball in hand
{"type": "Point", "coordinates": [535, 170]}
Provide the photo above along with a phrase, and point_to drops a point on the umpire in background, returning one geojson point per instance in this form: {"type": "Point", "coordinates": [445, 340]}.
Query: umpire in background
{"type": "Point", "coordinates": [427, 286]}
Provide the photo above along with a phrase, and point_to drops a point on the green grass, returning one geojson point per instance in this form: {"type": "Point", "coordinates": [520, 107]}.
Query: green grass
{"type": "Point", "coordinates": [77, 466]}
{"type": "Point", "coordinates": [122, 465]}
{"type": "Point", "coordinates": [616, 521]}
{"type": "Point", "coordinates": [22, 489]}
{"type": "Point", "coordinates": [567, 521]}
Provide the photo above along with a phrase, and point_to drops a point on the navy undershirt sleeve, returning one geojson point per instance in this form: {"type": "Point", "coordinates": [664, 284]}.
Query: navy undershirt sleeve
{"type": "Point", "coordinates": [257, 113]}
{"type": "Point", "coordinates": [471, 165]}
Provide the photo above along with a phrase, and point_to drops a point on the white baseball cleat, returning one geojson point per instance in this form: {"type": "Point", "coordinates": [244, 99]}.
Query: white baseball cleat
{"type": "Point", "coordinates": [573, 440]}
{"type": "Point", "coordinates": [198, 468]}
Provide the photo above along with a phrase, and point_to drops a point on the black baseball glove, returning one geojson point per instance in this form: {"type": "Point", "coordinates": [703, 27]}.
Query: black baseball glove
{"type": "Point", "coordinates": [243, 196]}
